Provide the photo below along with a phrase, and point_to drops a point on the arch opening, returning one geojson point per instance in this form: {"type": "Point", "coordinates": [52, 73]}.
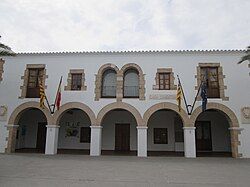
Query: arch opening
{"type": "Point", "coordinates": [165, 133]}
{"type": "Point", "coordinates": [30, 134]}
{"type": "Point", "coordinates": [74, 132]}
{"type": "Point", "coordinates": [212, 134]}
{"type": "Point", "coordinates": [119, 133]}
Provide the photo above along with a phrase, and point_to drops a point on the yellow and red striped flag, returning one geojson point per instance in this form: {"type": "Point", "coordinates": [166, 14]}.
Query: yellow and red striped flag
{"type": "Point", "coordinates": [179, 96]}
{"type": "Point", "coordinates": [42, 95]}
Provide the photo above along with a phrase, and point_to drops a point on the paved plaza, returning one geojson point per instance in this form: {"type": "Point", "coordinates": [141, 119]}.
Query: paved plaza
{"type": "Point", "coordinates": [82, 170]}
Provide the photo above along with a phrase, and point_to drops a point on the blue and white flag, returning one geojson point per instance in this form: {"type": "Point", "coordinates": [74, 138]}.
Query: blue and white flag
{"type": "Point", "coordinates": [204, 96]}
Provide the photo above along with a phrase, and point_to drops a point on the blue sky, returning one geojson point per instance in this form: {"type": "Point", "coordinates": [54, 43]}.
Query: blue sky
{"type": "Point", "coordinates": [93, 25]}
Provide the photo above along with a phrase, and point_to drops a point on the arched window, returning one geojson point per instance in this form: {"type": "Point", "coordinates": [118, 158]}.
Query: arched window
{"type": "Point", "coordinates": [131, 83]}
{"type": "Point", "coordinates": [109, 83]}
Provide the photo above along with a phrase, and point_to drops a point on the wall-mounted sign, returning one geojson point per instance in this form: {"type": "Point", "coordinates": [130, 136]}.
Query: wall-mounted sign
{"type": "Point", "coordinates": [72, 129]}
{"type": "Point", "coordinates": [245, 115]}
{"type": "Point", "coordinates": [162, 96]}
{"type": "Point", "coordinates": [3, 113]}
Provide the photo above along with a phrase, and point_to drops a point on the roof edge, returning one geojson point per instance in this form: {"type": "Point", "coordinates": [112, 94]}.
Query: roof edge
{"type": "Point", "coordinates": [135, 51]}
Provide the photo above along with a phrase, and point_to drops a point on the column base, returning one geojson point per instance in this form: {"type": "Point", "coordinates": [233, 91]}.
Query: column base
{"type": "Point", "coordinates": [96, 140]}
{"type": "Point", "coordinates": [189, 142]}
{"type": "Point", "coordinates": [51, 139]}
{"type": "Point", "coordinates": [142, 141]}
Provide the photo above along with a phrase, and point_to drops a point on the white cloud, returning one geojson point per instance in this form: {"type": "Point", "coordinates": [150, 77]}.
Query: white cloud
{"type": "Point", "coordinates": [66, 25]}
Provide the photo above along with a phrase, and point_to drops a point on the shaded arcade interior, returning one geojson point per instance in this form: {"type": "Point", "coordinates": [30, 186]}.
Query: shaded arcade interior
{"type": "Point", "coordinates": [165, 134]}
{"type": "Point", "coordinates": [213, 134]}
{"type": "Point", "coordinates": [31, 131]}
{"type": "Point", "coordinates": [74, 132]}
{"type": "Point", "coordinates": [119, 133]}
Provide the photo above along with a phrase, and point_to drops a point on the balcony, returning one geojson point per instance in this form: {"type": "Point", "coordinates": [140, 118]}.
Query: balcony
{"type": "Point", "coordinates": [108, 91]}
{"type": "Point", "coordinates": [131, 91]}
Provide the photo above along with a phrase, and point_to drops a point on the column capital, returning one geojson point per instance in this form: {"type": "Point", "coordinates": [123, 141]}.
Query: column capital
{"type": "Point", "coordinates": [52, 126]}
{"type": "Point", "coordinates": [235, 129]}
{"type": "Point", "coordinates": [189, 128]}
{"type": "Point", "coordinates": [13, 126]}
{"type": "Point", "coordinates": [96, 127]}
{"type": "Point", "coordinates": [142, 127]}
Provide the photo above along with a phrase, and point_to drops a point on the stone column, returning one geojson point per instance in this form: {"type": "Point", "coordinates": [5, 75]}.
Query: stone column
{"type": "Point", "coordinates": [119, 86]}
{"type": "Point", "coordinates": [234, 134]}
{"type": "Point", "coordinates": [51, 139]}
{"type": "Point", "coordinates": [96, 140]}
{"type": "Point", "coordinates": [142, 141]}
{"type": "Point", "coordinates": [11, 145]}
{"type": "Point", "coordinates": [189, 142]}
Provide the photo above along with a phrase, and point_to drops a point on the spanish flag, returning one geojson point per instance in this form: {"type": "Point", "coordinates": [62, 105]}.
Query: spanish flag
{"type": "Point", "coordinates": [59, 95]}
{"type": "Point", "coordinates": [42, 95]}
{"type": "Point", "coordinates": [179, 96]}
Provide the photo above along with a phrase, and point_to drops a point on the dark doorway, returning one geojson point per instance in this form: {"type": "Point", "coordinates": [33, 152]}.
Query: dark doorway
{"type": "Point", "coordinates": [203, 136]}
{"type": "Point", "coordinates": [41, 136]}
{"type": "Point", "coordinates": [122, 137]}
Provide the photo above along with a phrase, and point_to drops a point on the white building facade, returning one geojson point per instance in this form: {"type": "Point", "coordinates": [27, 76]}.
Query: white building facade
{"type": "Point", "coordinates": [125, 103]}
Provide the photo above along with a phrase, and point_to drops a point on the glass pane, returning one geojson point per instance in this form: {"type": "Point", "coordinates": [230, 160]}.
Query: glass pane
{"type": "Point", "coordinates": [131, 84]}
{"type": "Point", "coordinates": [109, 83]}
{"type": "Point", "coordinates": [41, 72]}
{"type": "Point", "coordinates": [33, 72]}
{"type": "Point", "coordinates": [76, 81]}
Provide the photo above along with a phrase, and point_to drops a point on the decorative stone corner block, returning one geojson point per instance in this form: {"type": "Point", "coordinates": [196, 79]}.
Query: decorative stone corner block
{"type": "Point", "coordinates": [245, 115]}
{"type": "Point", "coordinates": [3, 112]}
{"type": "Point", "coordinates": [1, 69]}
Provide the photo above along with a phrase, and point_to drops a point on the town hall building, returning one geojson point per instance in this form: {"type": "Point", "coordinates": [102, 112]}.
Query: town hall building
{"type": "Point", "coordinates": [124, 103]}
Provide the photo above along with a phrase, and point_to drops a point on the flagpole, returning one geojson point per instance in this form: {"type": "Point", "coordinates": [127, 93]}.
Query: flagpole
{"type": "Point", "coordinates": [48, 104]}
{"type": "Point", "coordinates": [195, 99]}
{"type": "Point", "coordinates": [185, 101]}
{"type": "Point", "coordinates": [54, 105]}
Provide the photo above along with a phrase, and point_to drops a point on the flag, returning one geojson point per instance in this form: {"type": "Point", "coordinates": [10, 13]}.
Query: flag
{"type": "Point", "coordinates": [179, 96]}
{"type": "Point", "coordinates": [58, 97]}
{"type": "Point", "coordinates": [42, 94]}
{"type": "Point", "coordinates": [204, 96]}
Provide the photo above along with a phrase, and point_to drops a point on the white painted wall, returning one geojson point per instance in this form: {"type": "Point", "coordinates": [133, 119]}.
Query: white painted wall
{"type": "Point", "coordinates": [183, 63]}
{"type": "Point", "coordinates": [108, 130]}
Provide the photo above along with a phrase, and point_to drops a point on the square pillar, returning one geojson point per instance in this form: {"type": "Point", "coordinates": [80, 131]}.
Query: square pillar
{"type": "Point", "coordinates": [189, 142]}
{"type": "Point", "coordinates": [96, 140]}
{"type": "Point", "coordinates": [142, 141]}
{"type": "Point", "coordinates": [51, 139]}
{"type": "Point", "coordinates": [11, 144]}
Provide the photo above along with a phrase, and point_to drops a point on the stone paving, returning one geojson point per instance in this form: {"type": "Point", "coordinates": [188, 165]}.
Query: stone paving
{"type": "Point", "coordinates": [25, 170]}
